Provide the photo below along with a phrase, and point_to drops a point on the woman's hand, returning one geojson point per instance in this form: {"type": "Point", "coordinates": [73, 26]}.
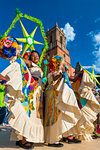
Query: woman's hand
{"type": "Point", "coordinates": [3, 78]}
{"type": "Point", "coordinates": [28, 63]}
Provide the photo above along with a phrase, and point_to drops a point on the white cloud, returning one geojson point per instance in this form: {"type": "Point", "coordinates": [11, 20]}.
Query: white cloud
{"type": "Point", "coordinates": [97, 69]}
{"type": "Point", "coordinates": [98, 19]}
{"type": "Point", "coordinates": [96, 52]}
{"type": "Point", "coordinates": [97, 39]}
{"type": "Point", "coordinates": [69, 32]}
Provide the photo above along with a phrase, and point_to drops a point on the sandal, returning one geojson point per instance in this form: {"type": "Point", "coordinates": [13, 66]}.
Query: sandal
{"type": "Point", "coordinates": [19, 143]}
{"type": "Point", "coordinates": [55, 145]}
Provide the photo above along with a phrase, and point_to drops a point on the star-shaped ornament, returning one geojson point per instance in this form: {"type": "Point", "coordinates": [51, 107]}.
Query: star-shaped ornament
{"type": "Point", "coordinates": [92, 75]}
{"type": "Point", "coordinates": [28, 40]}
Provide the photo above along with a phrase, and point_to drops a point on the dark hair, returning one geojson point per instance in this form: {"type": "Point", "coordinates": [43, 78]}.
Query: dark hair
{"type": "Point", "coordinates": [35, 52]}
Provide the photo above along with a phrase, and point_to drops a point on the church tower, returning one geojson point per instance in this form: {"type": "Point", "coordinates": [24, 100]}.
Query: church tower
{"type": "Point", "coordinates": [57, 45]}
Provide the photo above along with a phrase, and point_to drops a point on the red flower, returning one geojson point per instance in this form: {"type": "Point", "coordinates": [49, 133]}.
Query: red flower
{"type": "Point", "coordinates": [27, 54]}
{"type": "Point", "coordinates": [7, 43]}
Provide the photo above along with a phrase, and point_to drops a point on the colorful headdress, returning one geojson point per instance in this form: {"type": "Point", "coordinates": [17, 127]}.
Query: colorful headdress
{"type": "Point", "coordinates": [27, 55]}
{"type": "Point", "coordinates": [9, 48]}
{"type": "Point", "coordinates": [54, 63]}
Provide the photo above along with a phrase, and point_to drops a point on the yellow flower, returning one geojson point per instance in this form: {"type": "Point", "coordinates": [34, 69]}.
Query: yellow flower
{"type": "Point", "coordinates": [25, 71]}
{"type": "Point", "coordinates": [14, 44]}
{"type": "Point", "coordinates": [30, 106]}
{"type": "Point", "coordinates": [26, 109]}
{"type": "Point", "coordinates": [54, 59]}
{"type": "Point", "coordinates": [30, 95]}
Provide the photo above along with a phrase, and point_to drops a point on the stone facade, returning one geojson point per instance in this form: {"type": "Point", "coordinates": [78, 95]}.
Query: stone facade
{"type": "Point", "coordinates": [57, 45]}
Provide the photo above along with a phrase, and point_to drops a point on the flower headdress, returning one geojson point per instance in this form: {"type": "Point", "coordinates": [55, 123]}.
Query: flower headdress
{"type": "Point", "coordinates": [54, 63]}
{"type": "Point", "coordinates": [9, 48]}
{"type": "Point", "coordinates": [27, 55]}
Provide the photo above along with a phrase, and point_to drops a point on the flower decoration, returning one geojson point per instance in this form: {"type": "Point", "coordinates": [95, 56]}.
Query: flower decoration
{"type": "Point", "coordinates": [15, 45]}
{"type": "Point", "coordinates": [54, 63]}
{"type": "Point", "coordinates": [27, 55]}
{"type": "Point", "coordinates": [8, 47]}
{"type": "Point", "coordinates": [26, 108]}
{"type": "Point", "coordinates": [7, 43]}
{"type": "Point", "coordinates": [29, 86]}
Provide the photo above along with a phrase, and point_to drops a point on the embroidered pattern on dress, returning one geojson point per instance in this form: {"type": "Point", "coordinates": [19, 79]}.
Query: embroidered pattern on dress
{"type": "Point", "coordinates": [28, 88]}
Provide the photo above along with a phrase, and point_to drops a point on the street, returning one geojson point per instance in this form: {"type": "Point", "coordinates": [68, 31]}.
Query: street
{"type": "Point", "coordinates": [6, 144]}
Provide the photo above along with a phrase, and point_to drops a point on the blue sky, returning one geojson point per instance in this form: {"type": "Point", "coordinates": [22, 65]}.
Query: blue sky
{"type": "Point", "coordinates": [80, 19]}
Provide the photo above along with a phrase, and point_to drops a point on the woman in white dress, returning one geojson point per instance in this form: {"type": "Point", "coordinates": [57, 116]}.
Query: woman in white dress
{"type": "Point", "coordinates": [26, 106]}
{"type": "Point", "coordinates": [61, 109]}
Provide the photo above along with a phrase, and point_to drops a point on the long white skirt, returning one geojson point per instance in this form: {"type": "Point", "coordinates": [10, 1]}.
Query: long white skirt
{"type": "Point", "coordinates": [29, 127]}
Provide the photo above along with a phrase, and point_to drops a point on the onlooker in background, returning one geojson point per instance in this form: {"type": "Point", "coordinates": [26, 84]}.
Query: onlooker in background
{"type": "Point", "coordinates": [2, 103]}
{"type": "Point", "coordinates": [5, 121]}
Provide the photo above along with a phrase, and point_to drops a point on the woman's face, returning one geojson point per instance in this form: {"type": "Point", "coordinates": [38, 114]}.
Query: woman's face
{"type": "Point", "coordinates": [35, 57]}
